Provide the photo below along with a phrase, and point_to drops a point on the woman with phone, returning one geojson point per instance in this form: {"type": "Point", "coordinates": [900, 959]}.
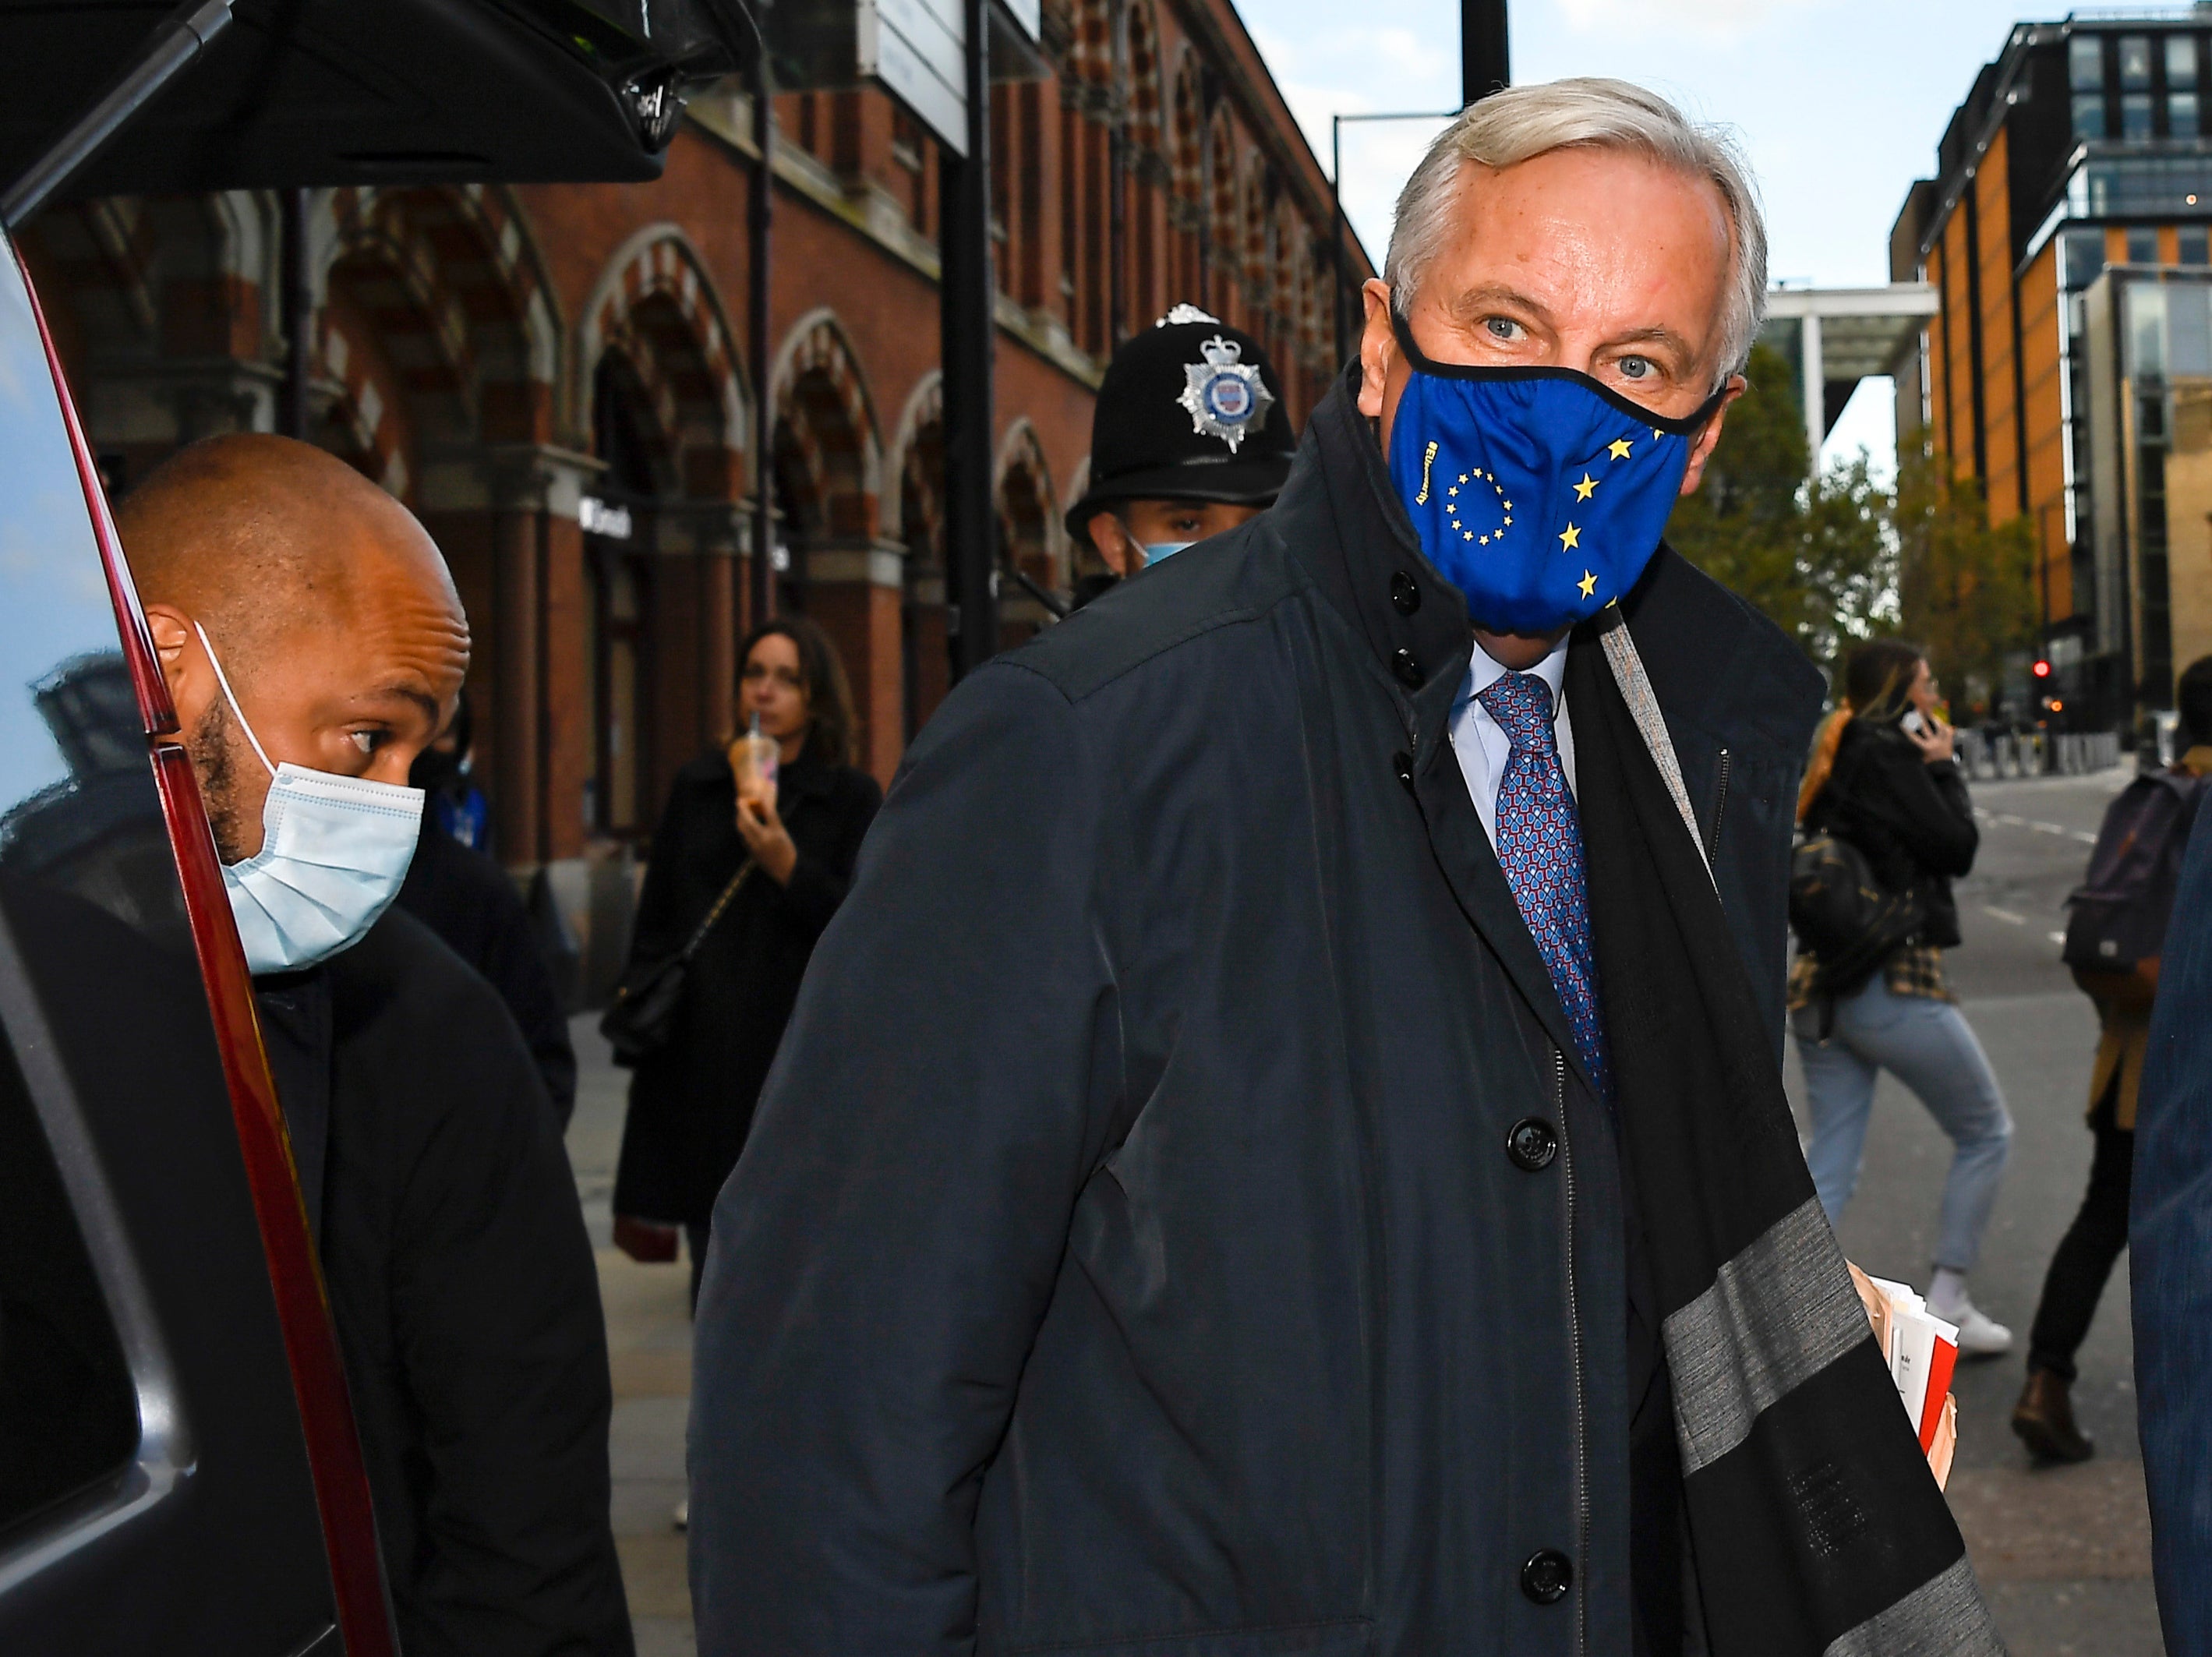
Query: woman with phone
{"type": "Point", "coordinates": [1885, 778]}
{"type": "Point", "coordinates": [767, 827]}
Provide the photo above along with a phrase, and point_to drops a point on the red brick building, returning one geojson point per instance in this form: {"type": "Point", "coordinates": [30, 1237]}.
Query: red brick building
{"type": "Point", "coordinates": [499, 357]}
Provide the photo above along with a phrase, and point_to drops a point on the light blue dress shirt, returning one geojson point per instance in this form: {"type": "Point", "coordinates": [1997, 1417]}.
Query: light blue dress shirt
{"type": "Point", "coordinates": [1480, 741]}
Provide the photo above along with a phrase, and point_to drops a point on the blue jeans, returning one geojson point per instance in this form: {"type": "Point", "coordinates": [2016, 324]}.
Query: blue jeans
{"type": "Point", "coordinates": [1929, 1045]}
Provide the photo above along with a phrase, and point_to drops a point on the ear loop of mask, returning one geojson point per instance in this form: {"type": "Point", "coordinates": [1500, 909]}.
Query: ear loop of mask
{"type": "Point", "coordinates": [224, 679]}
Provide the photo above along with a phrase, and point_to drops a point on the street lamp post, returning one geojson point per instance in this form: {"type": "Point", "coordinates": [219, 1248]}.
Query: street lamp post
{"type": "Point", "coordinates": [967, 337]}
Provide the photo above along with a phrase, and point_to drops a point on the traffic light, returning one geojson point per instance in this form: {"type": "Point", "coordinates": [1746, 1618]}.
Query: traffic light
{"type": "Point", "coordinates": [2042, 668]}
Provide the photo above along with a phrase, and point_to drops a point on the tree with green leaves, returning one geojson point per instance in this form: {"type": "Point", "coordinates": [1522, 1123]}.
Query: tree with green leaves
{"type": "Point", "coordinates": [1816, 555]}
{"type": "Point", "coordinates": [1966, 589]}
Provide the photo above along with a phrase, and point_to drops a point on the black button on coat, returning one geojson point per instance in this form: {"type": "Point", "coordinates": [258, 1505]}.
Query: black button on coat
{"type": "Point", "coordinates": [691, 1103]}
{"type": "Point", "coordinates": [1126, 1261]}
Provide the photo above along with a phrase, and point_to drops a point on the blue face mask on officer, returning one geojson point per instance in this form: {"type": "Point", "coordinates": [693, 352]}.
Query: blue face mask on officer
{"type": "Point", "coordinates": [334, 851]}
{"type": "Point", "coordinates": [1540, 493]}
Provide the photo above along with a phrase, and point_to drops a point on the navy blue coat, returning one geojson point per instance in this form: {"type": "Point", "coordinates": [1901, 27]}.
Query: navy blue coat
{"type": "Point", "coordinates": [2169, 1261]}
{"type": "Point", "coordinates": [1127, 1258]}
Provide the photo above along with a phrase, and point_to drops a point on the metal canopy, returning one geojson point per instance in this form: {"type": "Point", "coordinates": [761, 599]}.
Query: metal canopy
{"type": "Point", "coordinates": [1838, 336]}
{"type": "Point", "coordinates": [311, 93]}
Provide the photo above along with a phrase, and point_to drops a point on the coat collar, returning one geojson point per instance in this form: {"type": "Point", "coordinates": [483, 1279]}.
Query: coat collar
{"type": "Point", "coordinates": [1341, 518]}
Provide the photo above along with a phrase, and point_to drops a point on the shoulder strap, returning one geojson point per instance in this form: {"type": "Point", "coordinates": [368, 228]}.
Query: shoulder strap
{"type": "Point", "coordinates": [715, 913]}
{"type": "Point", "coordinates": [1643, 701]}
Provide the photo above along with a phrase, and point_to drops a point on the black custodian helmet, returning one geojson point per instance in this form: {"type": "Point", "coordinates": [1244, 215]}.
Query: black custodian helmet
{"type": "Point", "coordinates": [1190, 411]}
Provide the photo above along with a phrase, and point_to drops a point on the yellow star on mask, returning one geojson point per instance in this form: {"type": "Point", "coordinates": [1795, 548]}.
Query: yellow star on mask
{"type": "Point", "coordinates": [1588, 584]}
{"type": "Point", "coordinates": [1618, 448]}
{"type": "Point", "coordinates": [1570, 538]}
{"type": "Point", "coordinates": [1586, 488]}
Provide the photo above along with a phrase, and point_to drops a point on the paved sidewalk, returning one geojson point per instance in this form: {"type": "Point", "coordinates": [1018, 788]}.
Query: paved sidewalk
{"type": "Point", "coordinates": [649, 1343]}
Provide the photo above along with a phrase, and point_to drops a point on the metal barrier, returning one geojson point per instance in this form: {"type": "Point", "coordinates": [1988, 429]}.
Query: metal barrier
{"type": "Point", "coordinates": [2036, 754]}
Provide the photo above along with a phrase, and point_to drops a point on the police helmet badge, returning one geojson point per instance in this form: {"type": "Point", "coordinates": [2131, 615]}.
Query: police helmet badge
{"type": "Point", "coordinates": [1224, 394]}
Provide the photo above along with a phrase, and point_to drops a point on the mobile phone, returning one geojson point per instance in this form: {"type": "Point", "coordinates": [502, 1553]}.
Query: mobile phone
{"type": "Point", "coordinates": [1912, 722]}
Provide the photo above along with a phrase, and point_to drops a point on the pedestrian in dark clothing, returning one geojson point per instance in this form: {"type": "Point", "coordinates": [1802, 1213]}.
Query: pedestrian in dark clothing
{"type": "Point", "coordinates": [2169, 1261]}
{"type": "Point", "coordinates": [1884, 779]}
{"type": "Point", "coordinates": [314, 645]}
{"type": "Point", "coordinates": [691, 1102]}
{"type": "Point", "coordinates": [2044, 1417]}
{"type": "Point", "coordinates": [1285, 1148]}
{"type": "Point", "coordinates": [463, 895]}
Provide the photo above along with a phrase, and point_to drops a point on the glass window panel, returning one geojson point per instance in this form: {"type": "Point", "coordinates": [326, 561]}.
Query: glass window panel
{"type": "Point", "coordinates": [2181, 60]}
{"type": "Point", "coordinates": [2143, 247]}
{"type": "Point", "coordinates": [2146, 331]}
{"type": "Point", "coordinates": [2181, 115]}
{"type": "Point", "coordinates": [2089, 115]}
{"type": "Point", "coordinates": [2085, 64]}
{"type": "Point", "coordinates": [2196, 244]}
{"type": "Point", "coordinates": [2134, 60]}
{"type": "Point", "coordinates": [2189, 331]}
{"type": "Point", "coordinates": [2135, 115]}
{"type": "Point", "coordinates": [2085, 256]}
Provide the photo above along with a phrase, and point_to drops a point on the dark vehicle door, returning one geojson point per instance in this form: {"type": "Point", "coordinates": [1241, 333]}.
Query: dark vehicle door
{"type": "Point", "coordinates": [156, 1486]}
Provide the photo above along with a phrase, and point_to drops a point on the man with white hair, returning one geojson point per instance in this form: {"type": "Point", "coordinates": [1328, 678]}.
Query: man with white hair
{"type": "Point", "coordinates": [1283, 1148]}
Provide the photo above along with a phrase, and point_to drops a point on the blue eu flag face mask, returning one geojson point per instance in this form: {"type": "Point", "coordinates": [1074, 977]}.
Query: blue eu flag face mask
{"type": "Point", "coordinates": [334, 850]}
{"type": "Point", "coordinates": [1539, 493]}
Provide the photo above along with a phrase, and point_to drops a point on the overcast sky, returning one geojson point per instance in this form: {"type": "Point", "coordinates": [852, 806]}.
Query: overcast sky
{"type": "Point", "coordinates": [1838, 103]}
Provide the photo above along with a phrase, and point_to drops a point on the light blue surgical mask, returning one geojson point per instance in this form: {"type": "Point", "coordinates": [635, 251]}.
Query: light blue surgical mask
{"type": "Point", "coordinates": [1155, 550]}
{"type": "Point", "coordinates": [334, 851]}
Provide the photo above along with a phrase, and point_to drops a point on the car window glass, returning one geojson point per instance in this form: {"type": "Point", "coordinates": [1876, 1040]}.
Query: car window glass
{"type": "Point", "coordinates": [69, 1413]}
{"type": "Point", "coordinates": [77, 807]}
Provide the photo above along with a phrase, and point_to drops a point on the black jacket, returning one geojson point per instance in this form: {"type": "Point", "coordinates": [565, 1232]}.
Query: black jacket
{"type": "Point", "coordinates": [465, 1295]}
{"type": "Point", "coordinates": [1130, 1258]}
{"type": "Point", "coordinates": [691, 1103]}
{"type": "Point", "coordinates": [467, 900]}
{"type": "Point", "coordinates": [1914, 820]}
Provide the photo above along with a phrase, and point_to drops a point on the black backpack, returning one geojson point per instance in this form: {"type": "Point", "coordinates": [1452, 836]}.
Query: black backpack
{"type": "Point", "coordinates": [2120, 910]}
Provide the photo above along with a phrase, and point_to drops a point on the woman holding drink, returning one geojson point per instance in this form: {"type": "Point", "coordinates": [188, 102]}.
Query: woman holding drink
{"type": "Point", "coordinates": [767, 827]}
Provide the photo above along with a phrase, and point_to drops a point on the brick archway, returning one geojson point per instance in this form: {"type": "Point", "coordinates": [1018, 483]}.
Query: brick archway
{"type": "Point", "coordinates": [829, 464]}
{"type": "Point", "coordinates": [1030, 537]}
{"type": "Point", "coordinates": [829, 483]}
{"type": "Point", "coordinates": [657, 304]}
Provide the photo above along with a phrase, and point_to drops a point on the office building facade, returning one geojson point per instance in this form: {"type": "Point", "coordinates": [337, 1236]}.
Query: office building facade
{"type": "Point", "coordinates": [2073, 190]}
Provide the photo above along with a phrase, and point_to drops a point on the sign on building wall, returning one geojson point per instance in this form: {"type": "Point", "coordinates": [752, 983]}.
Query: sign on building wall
{"type": "Point", "coordinates": [911, 48]}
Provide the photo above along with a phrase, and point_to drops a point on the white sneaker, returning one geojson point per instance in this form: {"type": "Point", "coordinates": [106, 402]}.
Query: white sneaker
{"type": "Point", "coordinates": [1979, 1335]}
{"type": "Point", "coordinates": [682, 1514]}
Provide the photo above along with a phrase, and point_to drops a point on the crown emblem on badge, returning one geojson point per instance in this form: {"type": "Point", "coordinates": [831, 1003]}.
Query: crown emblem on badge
{"type": "Point", "coordinates": [1224, 394]}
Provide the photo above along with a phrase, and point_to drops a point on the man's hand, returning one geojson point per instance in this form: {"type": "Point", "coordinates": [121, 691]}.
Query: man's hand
{"type": "Point", "coordinates": [1935, 740]}
{"type": "Point", "coordinates": [765, 836]}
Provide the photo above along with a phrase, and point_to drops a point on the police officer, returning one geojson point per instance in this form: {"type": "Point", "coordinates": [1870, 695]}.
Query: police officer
{"type": "Point", "coordinates": [1190, 438]}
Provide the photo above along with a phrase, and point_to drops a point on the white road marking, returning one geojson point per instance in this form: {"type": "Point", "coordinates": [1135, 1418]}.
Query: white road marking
{"type": "Point", "coordinates": [2005, 915]}
{"type": "Point", "coordinates": [2048, 828]}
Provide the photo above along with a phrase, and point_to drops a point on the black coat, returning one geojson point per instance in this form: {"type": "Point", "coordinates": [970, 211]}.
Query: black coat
{"type": "Point", "coordinates": [463, 1290]}
{"type": "Point", "coordinates": [1914, 820]}
{"type": "Point", "coordinates": [467, 900]}
{"type": "Point", "coordinates": [691, 1103]}
{"type": "Point", "coordinates": [1130, 1258]}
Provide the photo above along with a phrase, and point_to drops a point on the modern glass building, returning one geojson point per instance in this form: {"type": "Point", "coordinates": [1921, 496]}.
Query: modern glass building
{"type": "Point", "coordinates": [2081, 149]}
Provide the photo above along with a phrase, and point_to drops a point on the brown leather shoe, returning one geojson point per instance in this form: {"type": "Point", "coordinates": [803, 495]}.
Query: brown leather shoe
{"type": "Point", "coordinates": [2044, 1419]}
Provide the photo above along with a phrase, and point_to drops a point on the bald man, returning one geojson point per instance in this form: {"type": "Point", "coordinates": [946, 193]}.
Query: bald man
{"type": "Point", "coordinates": [314, 645]}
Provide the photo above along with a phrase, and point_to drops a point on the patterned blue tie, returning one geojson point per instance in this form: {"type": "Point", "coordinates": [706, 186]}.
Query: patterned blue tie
{"type": "Point", "coordinates": [1540, 847]}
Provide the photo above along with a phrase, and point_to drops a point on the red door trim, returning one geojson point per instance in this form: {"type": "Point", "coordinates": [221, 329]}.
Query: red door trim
{"type": "Point", "coordinates": [319, 1385]}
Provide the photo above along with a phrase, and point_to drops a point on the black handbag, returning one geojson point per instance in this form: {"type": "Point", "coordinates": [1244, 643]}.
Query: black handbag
{"type": "Point", "coordinates": [640, 1018]}
{"type": "Point", "coordinates": [1842, 917]}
